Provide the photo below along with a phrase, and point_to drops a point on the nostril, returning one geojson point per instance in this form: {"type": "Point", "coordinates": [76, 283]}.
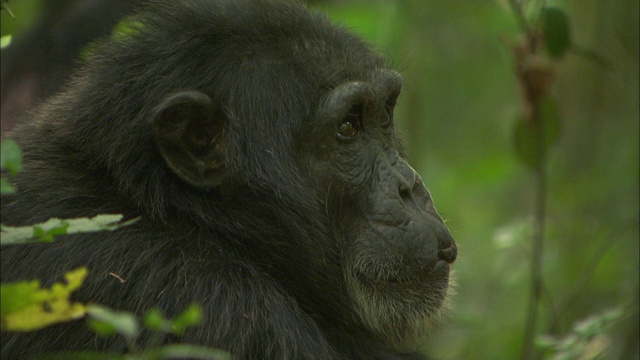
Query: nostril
{"type": "Point", "coordinates": [449, 254]}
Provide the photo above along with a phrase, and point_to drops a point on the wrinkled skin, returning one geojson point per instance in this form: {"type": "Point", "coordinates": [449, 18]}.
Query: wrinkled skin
{"type": "Point", "coordinates": [397, 250]}
{"type": "Point", "coordinates": [268, 177]}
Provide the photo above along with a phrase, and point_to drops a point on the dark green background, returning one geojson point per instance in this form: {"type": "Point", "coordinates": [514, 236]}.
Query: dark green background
{"type": "Point", "coordinates": [458, 112]}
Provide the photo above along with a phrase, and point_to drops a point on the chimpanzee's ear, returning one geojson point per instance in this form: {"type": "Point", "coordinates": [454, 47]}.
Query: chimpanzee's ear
{"type": "Point", "coordinates": [188, 130]}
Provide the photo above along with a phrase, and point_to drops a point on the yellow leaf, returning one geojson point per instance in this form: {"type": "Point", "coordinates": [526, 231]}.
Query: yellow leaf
{"type": "Point", "coordinates": [39, 307]}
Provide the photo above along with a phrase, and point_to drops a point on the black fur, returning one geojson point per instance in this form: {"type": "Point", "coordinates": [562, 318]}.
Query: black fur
{"type": "Point", "coordinates": [293, 216]}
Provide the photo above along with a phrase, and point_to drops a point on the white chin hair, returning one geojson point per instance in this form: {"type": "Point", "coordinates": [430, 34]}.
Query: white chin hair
{"type": "Point", "coordinates": [402, 317]}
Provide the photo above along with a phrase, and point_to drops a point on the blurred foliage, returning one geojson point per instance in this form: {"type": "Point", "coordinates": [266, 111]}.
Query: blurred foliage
{"type": "Point", "coordinates": [460, 98]}
{"type": "Point", "coordinates": [106, 322]}
{"type": "Point", "coordinates": [11, 161]}
{"type": "Point", "coordinates": [587, 339]}
{"type": "Point", "coordinates": [28, 11]}
{"type": "Point", "coordinates": [46, 231]}
{"type": "Point", "coordinates": [27, 307]}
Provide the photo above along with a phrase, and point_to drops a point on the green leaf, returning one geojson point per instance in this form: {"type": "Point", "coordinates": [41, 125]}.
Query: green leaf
{"type": "Point", "coordinates": [11, 160]}
{"type": "Point", "coordinates": [121, 31]}
{"type": "Point", "coordinates": [15, 296]}
{"type": "Point", "coordinates": [126, 27]}
{"type": "Point", "coordinates": [154, 320]}
{"type": "Point", "coordinates": [5, 41]}
{"type": "Point", "coordinates": [6, 187]}
{"type": "Point", "coordinates": [10, 156]}
{"type": "Point", "coordinates": [555, 27]}
{"type": "Point", "coordinates": [27, 307]}
{"type": "Point", "coordinates": [107, 322]}
{"type": "Point", "coordinates": [527, 134]}
{"type": "Point", "coordinates": [53, 227]}
{"type": "Point", "coordinates": [191, 316]}
{"type": "Point", "coordinates": [101, 328]}
{"type": "Point", "coordinates": [46, 231]}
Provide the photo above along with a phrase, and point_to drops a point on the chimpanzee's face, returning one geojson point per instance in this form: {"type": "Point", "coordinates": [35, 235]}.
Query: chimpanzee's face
{"type": "Point", "coordinates": [395, 249]}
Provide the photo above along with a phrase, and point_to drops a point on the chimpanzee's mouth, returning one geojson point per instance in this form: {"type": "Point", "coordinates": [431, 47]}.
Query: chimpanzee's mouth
{"type": "Point", "coordinates": [435, 277]}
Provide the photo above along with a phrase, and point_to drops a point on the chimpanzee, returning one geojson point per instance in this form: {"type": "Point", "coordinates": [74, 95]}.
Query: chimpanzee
{"type": "Point", "coordinates": [255, 141]}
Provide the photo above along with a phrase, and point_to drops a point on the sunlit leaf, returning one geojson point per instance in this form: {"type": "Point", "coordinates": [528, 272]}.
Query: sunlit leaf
{"type": "Point", "coordinates": [5, 41]}
{"type": "Point", "coordinates": [15, 296]}
{"type": "Point", "coordinates": [27, 307]}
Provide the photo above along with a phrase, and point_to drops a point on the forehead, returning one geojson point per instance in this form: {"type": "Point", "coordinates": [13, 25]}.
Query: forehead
{"type": "Point", "coordinates": [238, 38]}
{"type": "Point", "coordinates": [330, 58]}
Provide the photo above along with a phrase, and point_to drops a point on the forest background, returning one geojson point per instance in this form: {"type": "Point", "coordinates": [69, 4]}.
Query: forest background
{"type": "Point", "coordinates": [459, 112]}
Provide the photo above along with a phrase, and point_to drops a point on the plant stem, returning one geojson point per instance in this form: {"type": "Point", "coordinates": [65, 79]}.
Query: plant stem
{"type": "Point", "coordinates": [529, 352]}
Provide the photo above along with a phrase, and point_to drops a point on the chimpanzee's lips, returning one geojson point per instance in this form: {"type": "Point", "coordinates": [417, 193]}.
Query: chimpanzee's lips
{"type": "Point", "coordinates": [438, 275]}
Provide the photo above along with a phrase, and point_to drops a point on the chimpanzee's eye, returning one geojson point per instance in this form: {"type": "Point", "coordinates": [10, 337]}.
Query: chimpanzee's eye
{"type": "Point", "coordinates": [347, 129]}
{"type": "Point", "coordinates": [351, 123]}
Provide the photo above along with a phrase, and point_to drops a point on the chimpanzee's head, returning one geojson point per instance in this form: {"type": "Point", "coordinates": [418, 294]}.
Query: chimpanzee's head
{"type": "Point", "coordinates": [276, 128]}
